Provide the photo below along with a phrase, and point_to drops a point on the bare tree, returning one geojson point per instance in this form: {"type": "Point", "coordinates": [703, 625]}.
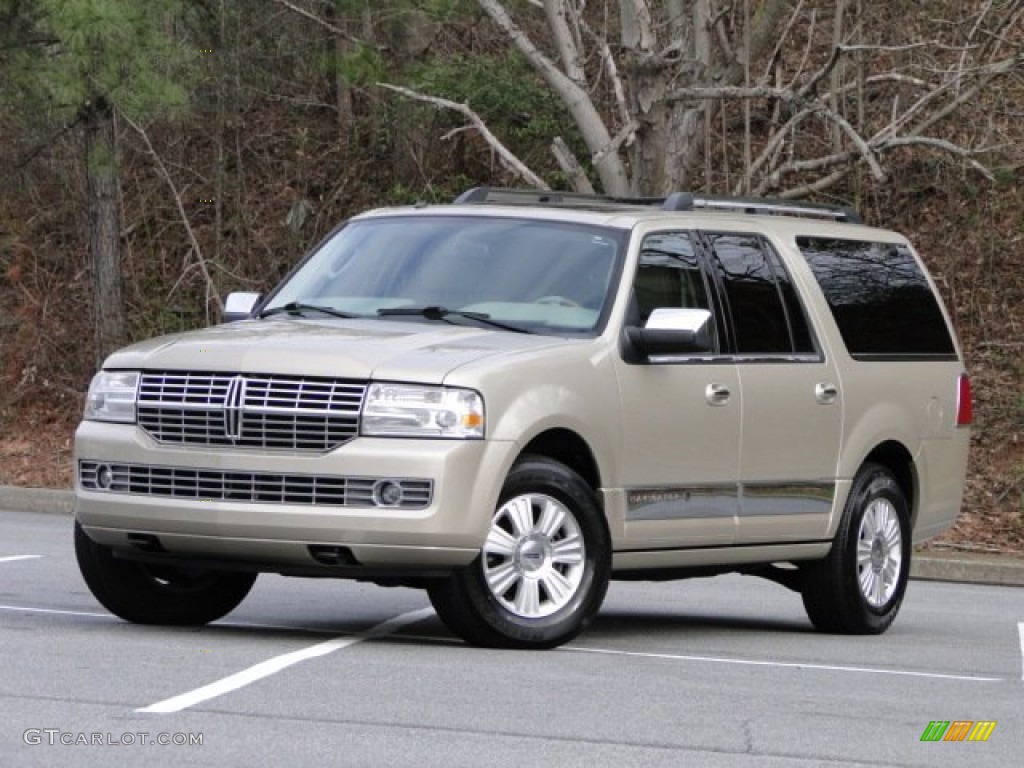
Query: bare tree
{"type": "Point", "coordinates": [652, 87]}
{"type": "Point", "coordinates": [504, 155]}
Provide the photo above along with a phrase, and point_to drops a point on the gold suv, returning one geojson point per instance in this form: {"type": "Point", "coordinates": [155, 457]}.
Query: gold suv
{"type": "Point", "coordinates": [514, 398]}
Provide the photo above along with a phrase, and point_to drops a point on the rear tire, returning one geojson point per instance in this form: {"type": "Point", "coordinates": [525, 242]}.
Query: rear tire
{"type": "Point", "coordinates": [858, 588]}
{"type": "Point", "coordinates": [158, 594]}
{"type": "Point", "coordinates": [544, 568]}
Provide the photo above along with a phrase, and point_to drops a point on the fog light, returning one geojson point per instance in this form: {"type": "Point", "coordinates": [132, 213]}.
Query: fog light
{"type": "Point", "coordinates": [387, 493]}
{"type": "Point", "coordinates": [104, 477]}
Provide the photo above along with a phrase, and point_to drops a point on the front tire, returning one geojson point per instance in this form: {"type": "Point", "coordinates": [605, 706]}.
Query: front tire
{"type": "Point", "coordinates": [858, 588]}
{"type": "Point", "coordinates": [544, 568]}
{"type": "Point", "coordinates": [158, 594]}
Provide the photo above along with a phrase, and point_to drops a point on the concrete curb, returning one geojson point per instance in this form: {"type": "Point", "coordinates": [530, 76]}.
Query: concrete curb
{"type": "Point", "coordinates": [1000, 570]}
{"type": "Point", "coordinates": [48, 500]}
{"type": "Point", "coordinates": [928, 565]}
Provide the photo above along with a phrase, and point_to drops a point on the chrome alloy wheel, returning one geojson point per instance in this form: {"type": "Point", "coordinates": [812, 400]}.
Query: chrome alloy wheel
{"type": "Point", "coordinates": [534, 556]}
{"type": "Point", "coordinates": [879, 552]}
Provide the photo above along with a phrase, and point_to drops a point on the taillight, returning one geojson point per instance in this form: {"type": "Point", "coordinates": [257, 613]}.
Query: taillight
{"type": "Point", "coordinates": [964, 404]}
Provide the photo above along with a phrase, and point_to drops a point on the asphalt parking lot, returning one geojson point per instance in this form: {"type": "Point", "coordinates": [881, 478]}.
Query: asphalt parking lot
{"type": "Point", "coordinates": [708, 672]}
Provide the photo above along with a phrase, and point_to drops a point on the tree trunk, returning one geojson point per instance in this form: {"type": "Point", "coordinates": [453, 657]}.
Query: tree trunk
{"type": "Point", "coordinates": [104, 211]}
{"type": "Point", "coordinates": [669, 137]}
{"type": "Point", "coordinates": [337, 48]}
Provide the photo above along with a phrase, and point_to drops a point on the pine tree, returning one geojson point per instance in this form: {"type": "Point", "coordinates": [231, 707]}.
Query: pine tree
{"type": "Point", "coordinates": [78, 64]}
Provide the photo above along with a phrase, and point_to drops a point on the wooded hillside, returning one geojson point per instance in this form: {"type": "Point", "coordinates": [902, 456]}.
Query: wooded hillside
{"type": "Point", "coordinates": [156, 156]}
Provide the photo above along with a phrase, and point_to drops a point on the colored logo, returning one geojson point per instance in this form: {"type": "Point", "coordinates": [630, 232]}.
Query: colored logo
{"type": "Point", "coordinates": [958, 730]}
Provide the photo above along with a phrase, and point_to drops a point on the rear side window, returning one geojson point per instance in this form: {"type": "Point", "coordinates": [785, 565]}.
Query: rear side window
{"type": "Point", "coordinates": [880, 298]}
{"type": "Point", "coordinates": [767, 318]}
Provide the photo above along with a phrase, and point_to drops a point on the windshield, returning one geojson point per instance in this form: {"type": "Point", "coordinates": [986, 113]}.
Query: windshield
{"type": "Point", "coordinates": [542, 276]}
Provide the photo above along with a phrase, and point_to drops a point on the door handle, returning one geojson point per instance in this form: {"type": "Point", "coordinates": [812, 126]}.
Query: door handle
{"type": "Point", "coordinates": [717, 394]}
{"type": "Point", "coordinates": [826, 393]}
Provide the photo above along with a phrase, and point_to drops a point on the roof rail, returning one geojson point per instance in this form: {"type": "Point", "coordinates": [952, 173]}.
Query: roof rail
{"type": "Point", "coordinates": [677, 201]}
{"type": "Point", "coordinates": [687, 201]}
{"type": "Point", "coordinates": [504, 196]}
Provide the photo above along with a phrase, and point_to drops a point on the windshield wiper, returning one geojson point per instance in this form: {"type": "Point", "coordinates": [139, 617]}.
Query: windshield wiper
{"type": "Point", "coordinates": [443, 313]}
{"type": "Point", "coordinates": [298, 307]}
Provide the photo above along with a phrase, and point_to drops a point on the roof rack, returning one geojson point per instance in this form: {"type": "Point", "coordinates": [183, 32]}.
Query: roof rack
{"type": "Point", "coordinates": [687, 201]}
{"type": "Point", "coordinates": [677, 201]}
{"type": "Point", "coordinates": [502, 196]}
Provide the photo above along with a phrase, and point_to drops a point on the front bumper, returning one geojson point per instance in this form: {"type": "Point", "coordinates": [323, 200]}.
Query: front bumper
{"type": "Point", "coordinates": [464, 476]}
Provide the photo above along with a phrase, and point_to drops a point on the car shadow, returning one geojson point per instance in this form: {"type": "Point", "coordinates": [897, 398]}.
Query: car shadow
{"type": "Point", "coordinates": [611, 624]}
{"type": "Point", "coordinates": [608, 626]}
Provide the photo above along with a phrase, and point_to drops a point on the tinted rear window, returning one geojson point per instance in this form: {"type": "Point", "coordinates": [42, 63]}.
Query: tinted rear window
{"type": "Point", "coordinates": [880, 298]}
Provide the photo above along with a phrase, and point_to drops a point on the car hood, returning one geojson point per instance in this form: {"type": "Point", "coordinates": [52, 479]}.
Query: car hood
{"type": "Point", "coordinates": [351, 349]}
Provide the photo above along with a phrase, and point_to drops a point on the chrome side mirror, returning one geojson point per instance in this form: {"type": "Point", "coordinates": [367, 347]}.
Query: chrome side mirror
{"type": "Point", "coordinates": [669, 332]}
{"type": "Point", "coordinates": [239, 306]}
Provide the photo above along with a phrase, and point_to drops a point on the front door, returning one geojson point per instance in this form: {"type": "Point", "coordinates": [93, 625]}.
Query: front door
{"type": "Point", "coordinates": [681, 417]}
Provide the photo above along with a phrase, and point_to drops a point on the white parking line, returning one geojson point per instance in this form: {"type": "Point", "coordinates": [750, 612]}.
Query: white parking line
{"type": "Point", "coordinates": [222, 623]}
{"type": "Point", "coordinates": [784, 664]}
{"type": "Point", "coordinates": [25, 609]}
{"type": "Point", "coordinates": [13, 558]}
{"type": "Point", "coordinates": [277, 663]}
{"type": "Point", "coordinates": [391, 625]}
{"type": "Point", "coordinates": [1020, 631]}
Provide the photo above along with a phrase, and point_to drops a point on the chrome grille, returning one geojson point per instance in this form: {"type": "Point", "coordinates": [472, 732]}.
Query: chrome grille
{"type": "Point", "coordinates": [266, 487]}
{"type": "Point", "coordinates": [250, 411]}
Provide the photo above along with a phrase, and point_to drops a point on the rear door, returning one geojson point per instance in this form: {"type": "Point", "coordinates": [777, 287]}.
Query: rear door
{"type": "Point", "coordinates": [792, 410]}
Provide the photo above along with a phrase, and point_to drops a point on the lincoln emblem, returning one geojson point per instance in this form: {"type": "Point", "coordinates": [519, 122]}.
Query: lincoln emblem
{"type": "Point", "coordinates": [234, 401]}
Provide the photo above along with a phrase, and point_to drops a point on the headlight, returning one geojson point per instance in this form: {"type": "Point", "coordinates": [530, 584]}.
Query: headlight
{"type": "Point", "coordinates": [407, 410]}
{"type": "Point", "coordinates": [112, 396]}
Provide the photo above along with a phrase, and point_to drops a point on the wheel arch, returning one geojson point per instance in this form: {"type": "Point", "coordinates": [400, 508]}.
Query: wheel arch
{"type": "Point", "coordinates": [895, 457]}
{"type": "Point", "coordinates": [569, 448]}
